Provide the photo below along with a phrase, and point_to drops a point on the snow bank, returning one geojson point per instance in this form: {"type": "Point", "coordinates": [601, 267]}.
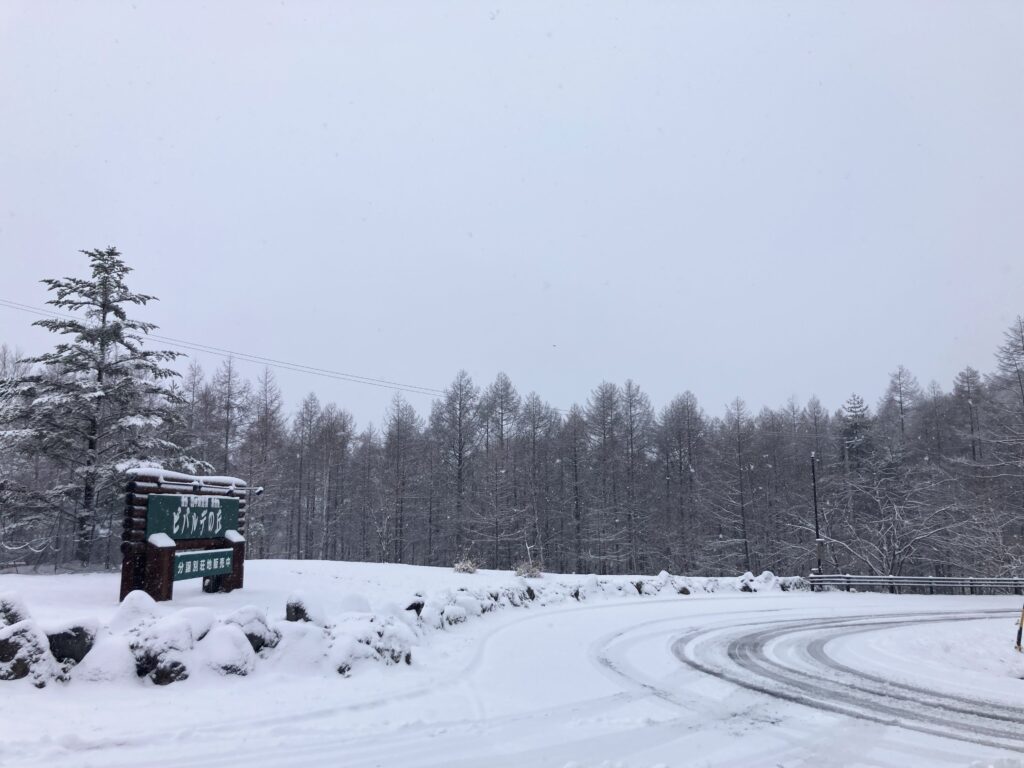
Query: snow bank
{"type": "Point", "coordinates": [325, 627]}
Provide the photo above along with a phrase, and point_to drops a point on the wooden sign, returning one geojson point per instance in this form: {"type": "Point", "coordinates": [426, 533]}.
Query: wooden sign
{"type": "Point", "coordinates": [179, 526]}
{"type": "Point", "coordinates": [191, 517]}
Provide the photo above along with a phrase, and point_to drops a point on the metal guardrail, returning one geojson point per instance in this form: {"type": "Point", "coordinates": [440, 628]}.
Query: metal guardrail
{"type": "Point", "coordinates": [970, 585]}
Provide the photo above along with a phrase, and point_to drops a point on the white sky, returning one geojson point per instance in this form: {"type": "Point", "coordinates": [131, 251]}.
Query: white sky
{"type": "Point", "coordinates": [760, 199]}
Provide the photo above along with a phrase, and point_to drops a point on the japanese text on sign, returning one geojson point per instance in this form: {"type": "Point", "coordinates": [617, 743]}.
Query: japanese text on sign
{"type": "Point", "coordinates": [213, 562]}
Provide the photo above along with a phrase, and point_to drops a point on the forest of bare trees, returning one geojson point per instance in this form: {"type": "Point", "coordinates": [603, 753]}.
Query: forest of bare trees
{"type": "Point", "coordinates": [925, 481]}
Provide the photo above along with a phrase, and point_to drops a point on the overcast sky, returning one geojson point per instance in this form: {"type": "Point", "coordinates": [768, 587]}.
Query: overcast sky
{"type": "Point", "coordinates": [755, 199]}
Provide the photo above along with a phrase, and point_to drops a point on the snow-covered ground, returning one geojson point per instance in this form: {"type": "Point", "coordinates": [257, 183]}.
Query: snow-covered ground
{"type": "Point", "coordinates": [617, 678]}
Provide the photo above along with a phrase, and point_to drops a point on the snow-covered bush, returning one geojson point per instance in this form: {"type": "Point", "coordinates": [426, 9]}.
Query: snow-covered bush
{"type": "Point", "coordinates": [529, 570]}
{"type": "Point", "coordinates": [161, 648]}
{"type": "Point", "coordinates": [111, 658]}
{"type": "Point", "coordinates": [300, 608]}
{"type": "Point", "coordinates": [136, 609]}
{"type": "Point", "coordinates": [346, 651]}
{"type": "Point", "coordinates": [226, 649]}
{"type": "Point", "coordinates": [465, 566]}
{"type": "Point", "coordinates": [454, 614]}
{"type": "Point", "coordinates": [25, 652]}
{"type": "Point", "coordinates": [161, 643]}
{"type": "Point", "coordinates": [253, 623]}
{"type": "Point", "coordinates": [12, 610]}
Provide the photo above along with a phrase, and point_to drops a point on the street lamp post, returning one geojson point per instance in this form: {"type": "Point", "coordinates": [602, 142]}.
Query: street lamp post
{"type": "Point", "coordinates": [817, 531]}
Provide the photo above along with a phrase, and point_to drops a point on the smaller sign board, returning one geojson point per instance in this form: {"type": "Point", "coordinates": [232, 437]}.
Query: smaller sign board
{"type": "Point", "coordinates": [184, 517]}
{"type": "Point", "coordinates": [202, 562]}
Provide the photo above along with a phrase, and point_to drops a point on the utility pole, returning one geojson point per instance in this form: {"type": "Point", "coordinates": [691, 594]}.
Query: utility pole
{"type": "Point", "coordinates": [817, 531]}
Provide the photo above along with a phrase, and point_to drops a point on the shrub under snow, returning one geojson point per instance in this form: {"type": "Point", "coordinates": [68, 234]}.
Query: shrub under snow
{"type": "Point", "coordinates": [160, 645]}
{"type": "Point", "coordinates": [25, 653]}
{"type": "Point", "coordinates": [529, 570]}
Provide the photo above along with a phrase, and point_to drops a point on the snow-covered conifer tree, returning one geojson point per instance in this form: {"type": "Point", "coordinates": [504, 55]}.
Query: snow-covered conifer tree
{"type": "Point", "coordinates": [97, 401]}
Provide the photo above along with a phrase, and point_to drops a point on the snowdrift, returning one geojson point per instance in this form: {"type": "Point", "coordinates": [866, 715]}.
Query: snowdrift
{"type": "Point", "coordinates": [329, 618]}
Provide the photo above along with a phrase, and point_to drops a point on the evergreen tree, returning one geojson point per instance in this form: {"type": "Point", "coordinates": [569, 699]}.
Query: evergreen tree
{"type": "Point", "coordinates": [855, 430]}
{"type": "Point", "coordinates": [99, 400]}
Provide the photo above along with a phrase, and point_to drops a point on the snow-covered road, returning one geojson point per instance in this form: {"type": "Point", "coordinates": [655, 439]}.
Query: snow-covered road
{"type": "Point", "coordinates": [737, 680]}
{"type": "Point", "coordinates": [792, 660]}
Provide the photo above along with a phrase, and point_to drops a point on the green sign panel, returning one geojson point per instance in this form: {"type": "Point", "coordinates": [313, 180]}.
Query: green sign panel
{"type": "Point", "coordinates": [208, 562]}
{"type": "Point", "coordinates": [191, 517]}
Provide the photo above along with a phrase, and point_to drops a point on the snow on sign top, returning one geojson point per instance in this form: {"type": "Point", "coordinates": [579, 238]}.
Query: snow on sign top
{"type": "Point", "coordinates": [168, 476]}
{"type": "Point", "coordinates": [191, 517]}
{"type": "Point", "coordinates": [161, 540]}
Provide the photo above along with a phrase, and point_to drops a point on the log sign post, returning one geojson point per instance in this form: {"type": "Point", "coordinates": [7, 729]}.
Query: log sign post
{"type": "Point", "coordinates": [180, 526]}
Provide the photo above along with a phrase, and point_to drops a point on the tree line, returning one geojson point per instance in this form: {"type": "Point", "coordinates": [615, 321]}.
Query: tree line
{"type": "Point", "coordinates": [927, 481]}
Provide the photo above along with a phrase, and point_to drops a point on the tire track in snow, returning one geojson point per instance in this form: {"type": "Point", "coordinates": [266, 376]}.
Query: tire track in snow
{"type": "Point", "coordinates": [406, 742]}
{"type": "Point", "coordinates": [744, 657]}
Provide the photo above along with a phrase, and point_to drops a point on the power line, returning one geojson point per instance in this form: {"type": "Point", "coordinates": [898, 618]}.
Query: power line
{"type": "Point", "coordinates": [270, 362]}
{"type": "Point", "coordinates": [284, 365]}
{"type": "Point", "coordinates": [247, 357]}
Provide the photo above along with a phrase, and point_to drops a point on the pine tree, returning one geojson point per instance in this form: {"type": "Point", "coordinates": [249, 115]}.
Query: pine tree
{"type": "Point", "coordinates": [855, 429]}
{"type": "Point", "coordinates": [99, 399]}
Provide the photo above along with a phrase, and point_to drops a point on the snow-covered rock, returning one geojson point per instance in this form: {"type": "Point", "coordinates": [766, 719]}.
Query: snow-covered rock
{"type": "Point", "coordinates": [25, 653]}
{"type": "Point", "coordinates": [70, 644]}
{"type": "Point", "coordinates": [253, 623]}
